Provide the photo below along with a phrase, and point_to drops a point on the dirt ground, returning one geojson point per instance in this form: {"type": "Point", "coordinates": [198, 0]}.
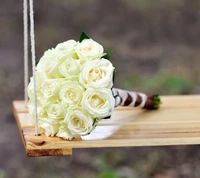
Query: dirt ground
{"type": "Point", "coordinates": [155, 49]}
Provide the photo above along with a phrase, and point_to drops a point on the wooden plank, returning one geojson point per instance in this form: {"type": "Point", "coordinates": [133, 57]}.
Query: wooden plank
{"type": "Point", "coordinates": [20, 106]}
{"type": "Point", "coordinates": [25, 124]}
{"type": "Point", "coordinates": [177, 122]}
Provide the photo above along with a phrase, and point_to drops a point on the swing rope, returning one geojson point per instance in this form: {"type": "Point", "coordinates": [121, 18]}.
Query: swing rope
{"type": "Point", "coordinates": [25, 16]}
{"type": "Point", "coordinates": [32, 39]}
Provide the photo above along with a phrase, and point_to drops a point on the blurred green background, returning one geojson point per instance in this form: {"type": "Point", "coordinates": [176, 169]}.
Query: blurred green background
{"type": "Point", "coordinates": [156, 49]}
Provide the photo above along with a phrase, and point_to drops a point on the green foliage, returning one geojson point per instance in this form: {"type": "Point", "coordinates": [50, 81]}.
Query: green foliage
{"type": "Point", "coordinates": [108, 174]}
{"type": "Point", "coordinates": [105, 166]}
{"type": "Point", "coordinates": [157, 101]}
{"type": "Point", "coordinates": [83, 37]}
{"type": "Point", "coordinates": [108, 55]}
{"type": "Point", "coordinates": [114, 74]}
{"type": "Point", "coordinates": [2, 173]}
{"type": "Point", "coordinates": [146, 5]}
{"type": "Point", "coordinates": [161, 84]}
{"type": "Point", "coordinates": [177, 84]}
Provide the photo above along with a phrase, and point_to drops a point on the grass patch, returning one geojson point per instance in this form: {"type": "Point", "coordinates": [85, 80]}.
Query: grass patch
{"type": "Point", "coordinates": [160, 84]}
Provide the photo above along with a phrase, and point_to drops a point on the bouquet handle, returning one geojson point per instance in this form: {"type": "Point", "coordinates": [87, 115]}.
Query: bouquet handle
{"type": "Point", "coordinates": [135, 99]}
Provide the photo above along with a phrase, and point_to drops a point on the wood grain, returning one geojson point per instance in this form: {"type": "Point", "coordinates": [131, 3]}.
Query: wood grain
{"type": "Point", "coordinates": [177, 122]}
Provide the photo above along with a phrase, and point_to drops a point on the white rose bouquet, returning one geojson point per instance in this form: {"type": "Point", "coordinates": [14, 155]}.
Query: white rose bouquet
{"type": "Point", "coordinates": [75, 89]}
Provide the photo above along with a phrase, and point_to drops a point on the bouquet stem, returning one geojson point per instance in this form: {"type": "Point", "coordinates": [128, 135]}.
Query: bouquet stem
{"type": "Point", "coordinates": [135, 99]}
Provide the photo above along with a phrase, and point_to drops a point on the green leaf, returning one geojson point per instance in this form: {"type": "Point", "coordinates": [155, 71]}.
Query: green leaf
{"type": "Point", "coordinates": [114, 74]}
{"type": "Point", "coordinates": [108, 55]}
{"type": "Point", "coordinates": [108, 117]}
{"type": "Point", "coordinates": [157, 101]}
{"type": "Point", "coordinates": [36, 63]}
{"type": "Point", "coordinates": [83, 37]}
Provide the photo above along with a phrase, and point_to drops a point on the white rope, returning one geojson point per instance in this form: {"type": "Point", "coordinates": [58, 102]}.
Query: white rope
{"type": "Point", "coordinates": [25, 12]}
{"type": "Point", "coordinates": [32, 35]}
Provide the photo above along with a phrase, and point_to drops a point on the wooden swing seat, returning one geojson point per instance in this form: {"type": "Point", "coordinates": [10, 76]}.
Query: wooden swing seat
{"type": "Point", "coordinates": [177, 122]}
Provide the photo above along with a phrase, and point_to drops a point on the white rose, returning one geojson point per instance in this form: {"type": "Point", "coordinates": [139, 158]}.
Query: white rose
{"type": "Point", "coordinates": [98, 102]}
{"type": "Point", "coordinates": [49, 63]}
{"type": "Point", "coordinates": [65, 133]}
{"type": "Point", "coordinates": [97, 74]}
{"type": "Point", "coordinates": [40, 77]}
{"type": "Point", "coordinates": [69, 68]}
{"type": "Point", "coordinates": [40, 111]}
{"type": "Point", "coordinates": [48, 127]}
{"type": "Point", "coordinates": [31, 92]}
{"type": "Point", "coordinates": [55, 111]}
{"type": "Point", "coordinates": [89, 49]}
{"type": "Point", "coordinates": [71, 93]}
{"type": "Point", "coordinates": [49, 54]}
{"type": "Point", "coordinates": [79, 122]}
{"type": "Point", "coordinates": [50, 87]}
{"type": "Point", "coordinates": [66, 48]}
